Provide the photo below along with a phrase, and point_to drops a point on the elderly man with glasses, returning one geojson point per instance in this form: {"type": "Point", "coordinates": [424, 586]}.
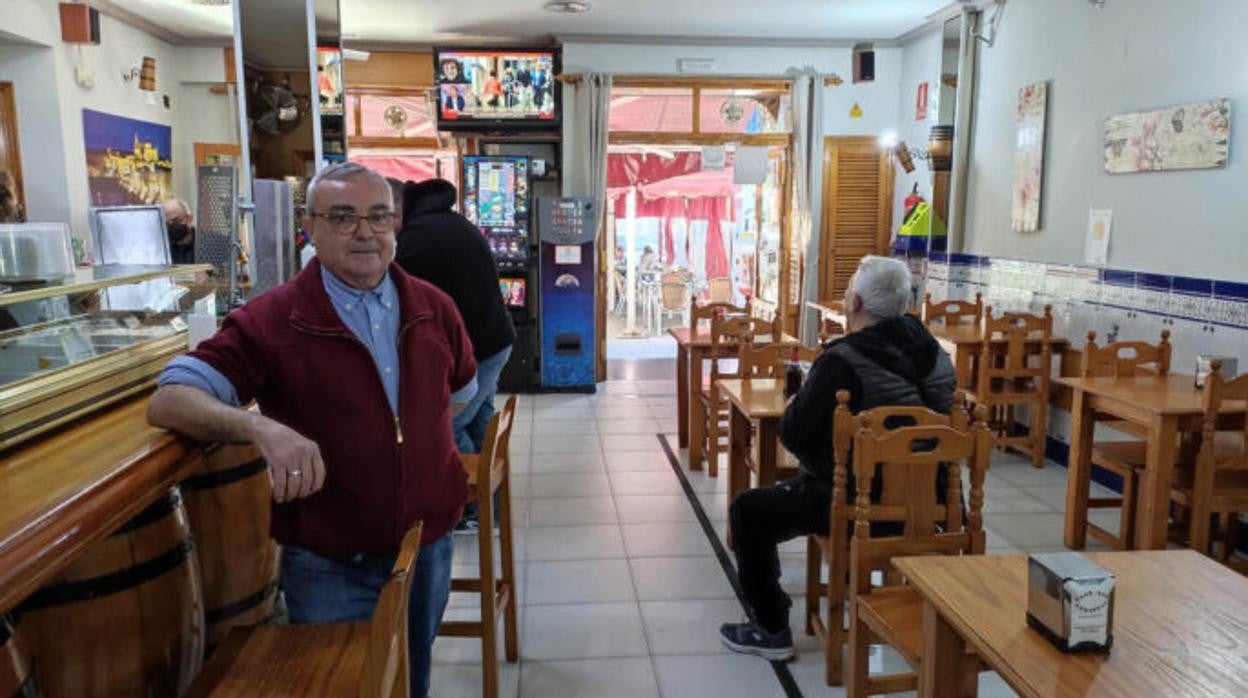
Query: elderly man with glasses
{"type": "Point", "coordinates": [357, 368]}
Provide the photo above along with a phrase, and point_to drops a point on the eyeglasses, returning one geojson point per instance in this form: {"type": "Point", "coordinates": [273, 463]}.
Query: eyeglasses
{"type": "Point", "coordinates": [346, 222]}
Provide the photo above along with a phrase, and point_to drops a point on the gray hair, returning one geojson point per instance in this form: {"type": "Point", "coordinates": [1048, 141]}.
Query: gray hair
{"type": "Point", "coordinates": [336, 173]}
{"type": "Point", "coordinates": [883, 284]}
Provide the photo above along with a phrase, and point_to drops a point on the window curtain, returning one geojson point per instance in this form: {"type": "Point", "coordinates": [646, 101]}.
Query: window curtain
{"type": "Point", "coordinates": [806, 96]}
{"type": "Point", "coordinates": [586, 174]}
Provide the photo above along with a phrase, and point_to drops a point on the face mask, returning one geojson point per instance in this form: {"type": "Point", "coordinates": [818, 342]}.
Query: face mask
{"type": "Point", "coordinates": [177, 231]}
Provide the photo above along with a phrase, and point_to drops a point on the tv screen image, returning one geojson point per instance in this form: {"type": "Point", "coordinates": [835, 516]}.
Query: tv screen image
{"type": "Point", "coordinates": [500, 87]}
{"type": "Point", "coordinates": [513, 291]}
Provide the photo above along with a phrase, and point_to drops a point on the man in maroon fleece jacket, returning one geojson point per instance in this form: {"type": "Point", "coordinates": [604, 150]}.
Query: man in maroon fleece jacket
{"type": "Point", "coordinates": [357, 368]}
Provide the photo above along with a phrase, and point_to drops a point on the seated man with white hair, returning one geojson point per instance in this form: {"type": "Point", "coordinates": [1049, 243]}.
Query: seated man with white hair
{"type": "Point", "coordinates": [888, 358]}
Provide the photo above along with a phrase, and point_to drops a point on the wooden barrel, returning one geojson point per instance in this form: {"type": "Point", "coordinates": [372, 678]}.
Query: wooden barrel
{"type": "Point", "coordinates": [126, 618]}
{"type": "Point", "coordinates": [940, 148]}
{"type": "Point", "coordinates": [227, 501]}
{"type": "Point", "coordinates": [16, 681]}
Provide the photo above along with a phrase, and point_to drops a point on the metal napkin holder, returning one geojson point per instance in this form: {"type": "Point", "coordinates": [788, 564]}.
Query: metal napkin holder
{"type": "Point", "coordinates": [1070, 600]}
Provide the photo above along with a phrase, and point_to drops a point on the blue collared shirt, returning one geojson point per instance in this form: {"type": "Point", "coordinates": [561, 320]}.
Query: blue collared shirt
{"type": "Point", "coordinates": [372, 316]}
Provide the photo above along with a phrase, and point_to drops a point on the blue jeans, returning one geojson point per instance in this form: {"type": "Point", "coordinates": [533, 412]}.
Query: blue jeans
{"type": "Point", "coordinates": [319, 590]}
{"type": "Point", "coordinates": [469, 425]}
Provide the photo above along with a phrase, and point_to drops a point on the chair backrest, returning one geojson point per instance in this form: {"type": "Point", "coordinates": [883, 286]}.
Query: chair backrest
{"type": "Point", "coordinates": [910, 458]}
{"type": "Point", "coordinates": [953, 312]}
{"type": "Point", "coordinates": [829, 329]}
{"type": "Point", "coordinates": [495, 458]}
{"type": "Point", "coordinates": [705, 312]}
{"type": "Point", "coordinates": [674, 291]}
{"type": "Point", "coordinates": [385, 666]}
{"type": "Point", "coordinates": [730, 332]}
{"type": "Point", "coordinates": [1217, 390]}
{"type": "Point", "coordinates": [720, 289]}
{"type": "Point", "coordinates": [1126, 358]}
{"type": "Point", "coordinates": [770, 360]}
{"type": "Point", "coordinates": [1025, 356]}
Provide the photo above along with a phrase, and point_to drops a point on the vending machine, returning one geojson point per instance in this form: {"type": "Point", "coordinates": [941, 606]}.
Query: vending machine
{"type": "Point", "coordinates": [567, 228]}
{"type": "Point", "coordinates": [497, 198]}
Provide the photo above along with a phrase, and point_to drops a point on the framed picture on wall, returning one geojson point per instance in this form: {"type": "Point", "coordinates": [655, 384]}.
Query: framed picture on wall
{"type": "Point", "coordinates": [1029, 158]}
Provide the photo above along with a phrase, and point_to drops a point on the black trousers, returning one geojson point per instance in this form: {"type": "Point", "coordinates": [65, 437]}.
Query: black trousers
{"type": "Point", "coordinates": [761, 519]}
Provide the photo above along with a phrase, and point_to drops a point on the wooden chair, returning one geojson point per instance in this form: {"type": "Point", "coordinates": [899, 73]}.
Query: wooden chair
{"type": "Point", "coordinates": [1218, 484]}
{"type": "Point", "coordinates": [909, 458]}
{"type": "Point", "coordinates": [829, 329]}
{"type": "Point", "coordinates": [728, 333]}
{"type": "Point", "coordinates": [673, 295]}
{"type": "Point", "coordinates": [719, 289]}
{"type": "Point", "coordinates": [1124, 458]}
{"type": "Point", "coordinates": [366, 659]}
{"type": "Point", "coordinates": [1014, 371]}
{"type": "Point", "coordinates": [489, 472]}
{"type": "Point", "coordinates": [827, 622]}
{"type": "Point", "coordinates": [700, 316]}
{"type": "Point", "coordinates": [770, 360]}
{"type": "Point", "coordinates": [953, 312]}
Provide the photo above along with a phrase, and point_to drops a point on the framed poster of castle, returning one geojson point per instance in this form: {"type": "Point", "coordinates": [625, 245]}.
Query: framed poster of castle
{"type": "Point", "coordinates": [1191, 136]}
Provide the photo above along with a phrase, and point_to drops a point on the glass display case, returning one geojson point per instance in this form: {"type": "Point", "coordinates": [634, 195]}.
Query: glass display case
{"type": "Point", "coordinates": [68, 349]}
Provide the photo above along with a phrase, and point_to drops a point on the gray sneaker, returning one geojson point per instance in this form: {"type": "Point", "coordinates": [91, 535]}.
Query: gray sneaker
{"type": "Point", "coordinates": [749, 638]}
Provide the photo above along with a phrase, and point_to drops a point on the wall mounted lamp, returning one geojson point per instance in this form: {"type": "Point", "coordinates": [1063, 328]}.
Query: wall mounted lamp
{"type": "Point", "coordinates": [146, 75]}
{"type": "Point", "coordinates": [938, 153]}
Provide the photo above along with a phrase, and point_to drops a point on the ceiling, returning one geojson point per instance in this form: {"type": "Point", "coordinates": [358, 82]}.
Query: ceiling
{"type": "Point", "coordinates": [423, 22]}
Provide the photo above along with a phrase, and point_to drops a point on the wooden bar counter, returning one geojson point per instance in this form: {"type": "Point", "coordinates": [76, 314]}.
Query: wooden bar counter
{"type": "Point", "coordinates": [65, 492]}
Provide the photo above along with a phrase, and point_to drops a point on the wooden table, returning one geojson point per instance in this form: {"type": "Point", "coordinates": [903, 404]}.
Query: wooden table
{"type": "Point", "coordinates": [760, 402]}
{"type": "Point", "coordinates": [1179, 627]}
{"type": "Point", "coordinates": [1164, 406]}
{"type": "Point", "coordinates": [690, 353]}
{"type": "Point", "coordinates": [64, 492]}
{"type": "Point", "coordinates": [965, 341]}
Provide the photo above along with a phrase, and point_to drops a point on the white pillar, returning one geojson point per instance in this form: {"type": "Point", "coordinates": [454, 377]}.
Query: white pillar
{"type": "Point", "coordinates": [630, 252]}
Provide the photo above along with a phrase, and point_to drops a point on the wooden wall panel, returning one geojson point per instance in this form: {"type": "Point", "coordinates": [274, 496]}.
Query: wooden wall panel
{"type": "Point", "coordinates": [390, 69]}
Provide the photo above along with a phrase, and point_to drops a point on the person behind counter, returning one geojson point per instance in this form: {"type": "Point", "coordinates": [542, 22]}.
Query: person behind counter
{"type": "Point", "coordinates": [355, 454]}
{"type": "Point", "coordinates": [180, 225]}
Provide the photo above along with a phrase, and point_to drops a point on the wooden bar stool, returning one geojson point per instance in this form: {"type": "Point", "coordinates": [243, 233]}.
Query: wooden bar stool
{"type": "Point", "coordinates": [365, 659]}
{"type": "Point", "coordinates": [488, 473]}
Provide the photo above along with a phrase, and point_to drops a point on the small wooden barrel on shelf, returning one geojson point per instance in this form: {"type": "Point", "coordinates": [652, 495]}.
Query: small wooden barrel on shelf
{"type": "Point", "coordinates": [16, 681]}
{"type": "Point", "coordinates": [227, 501]}
{"type": "Point", "coordinates": [124, 619]}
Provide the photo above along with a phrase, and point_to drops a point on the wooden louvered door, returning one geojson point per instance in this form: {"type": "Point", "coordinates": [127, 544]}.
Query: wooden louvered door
{"type": "Point", "coordinates": [857, 214]}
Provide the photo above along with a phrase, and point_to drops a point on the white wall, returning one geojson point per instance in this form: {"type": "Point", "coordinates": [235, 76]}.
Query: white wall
{"type": "Point", "coordinates": [50, 102]}
{"type": "Point", "coordinates": [1126, 56]}
{"type": "Point", "coordinates": [32, 69]}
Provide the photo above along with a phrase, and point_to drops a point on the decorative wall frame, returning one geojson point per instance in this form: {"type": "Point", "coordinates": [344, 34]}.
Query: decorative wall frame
{"type": "Point", "coordinates": [1029, 158]}
{"type": "Point", "coordinates": [1191, 136]}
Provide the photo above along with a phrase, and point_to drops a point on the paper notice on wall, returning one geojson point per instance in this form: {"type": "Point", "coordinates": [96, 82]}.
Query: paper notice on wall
{"type": "Point", "coordinates": [1096, 248]}
{"type": "Point", "coordinates": [713, 157]}
{"type": "Point", "coordinates": [749, 165]}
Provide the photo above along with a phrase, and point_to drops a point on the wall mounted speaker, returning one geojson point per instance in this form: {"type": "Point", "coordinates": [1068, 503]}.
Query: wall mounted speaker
{"type": "Point", "coordinates": [80, 24]}
{"type": "Point", "coordinates": [864, 63]}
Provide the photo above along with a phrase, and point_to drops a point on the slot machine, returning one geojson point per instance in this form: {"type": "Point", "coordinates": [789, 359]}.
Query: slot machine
{"type": "Point", "coordinates": [497, 198]}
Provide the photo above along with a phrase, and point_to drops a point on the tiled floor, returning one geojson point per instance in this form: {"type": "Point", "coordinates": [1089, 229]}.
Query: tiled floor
{"type": "Point", "coordinates": [620, 591]}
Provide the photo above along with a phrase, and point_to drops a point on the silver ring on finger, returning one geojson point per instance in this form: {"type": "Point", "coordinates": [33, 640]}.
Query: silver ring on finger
{"type": "Point", "coordinates": [296, 473]}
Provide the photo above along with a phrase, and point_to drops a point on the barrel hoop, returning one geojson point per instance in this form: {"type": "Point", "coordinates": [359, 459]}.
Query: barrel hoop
{"type": "Point", "coordinates": [159, 509]}
{"type": "Point", "coordinates": [111, 583]}
{"type": "Point", "coordinates": [228, 611]}
{"type": "Point", "coordinates": [220, 478]}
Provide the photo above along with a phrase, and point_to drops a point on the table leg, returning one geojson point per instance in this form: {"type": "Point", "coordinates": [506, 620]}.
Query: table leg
{"type": "Point", "coordinates": [697, 411]}
{"type": "Point", "coordinates": [1079, 471]}
{"type": "Point", "coordinates": [682, 395]}
{"type": "Point", "coordinates": [944, 652]}
{"type": "Point", "coordinates": [738, 447]}
{"type": "Point", "coordinates": [766, 452]}
{"type": "Point", "coordinates": [1153, 513]}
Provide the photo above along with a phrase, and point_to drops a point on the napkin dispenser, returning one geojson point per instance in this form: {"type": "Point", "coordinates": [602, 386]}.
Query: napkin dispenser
{"type": "Point", "coordinates": [1070, 600]}
{"type": "Point", "coordinates": [1230, 367]}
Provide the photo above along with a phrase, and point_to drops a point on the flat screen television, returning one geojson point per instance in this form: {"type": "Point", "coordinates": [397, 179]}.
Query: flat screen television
{"type": "Point", "coordinates": [497, 89]}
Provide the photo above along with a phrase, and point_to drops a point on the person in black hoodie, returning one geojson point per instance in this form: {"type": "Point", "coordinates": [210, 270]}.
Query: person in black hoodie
{"type": "Point", "coordinates": [888, 358]}
{"type": "Point", "coordinates": [444, 248]}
